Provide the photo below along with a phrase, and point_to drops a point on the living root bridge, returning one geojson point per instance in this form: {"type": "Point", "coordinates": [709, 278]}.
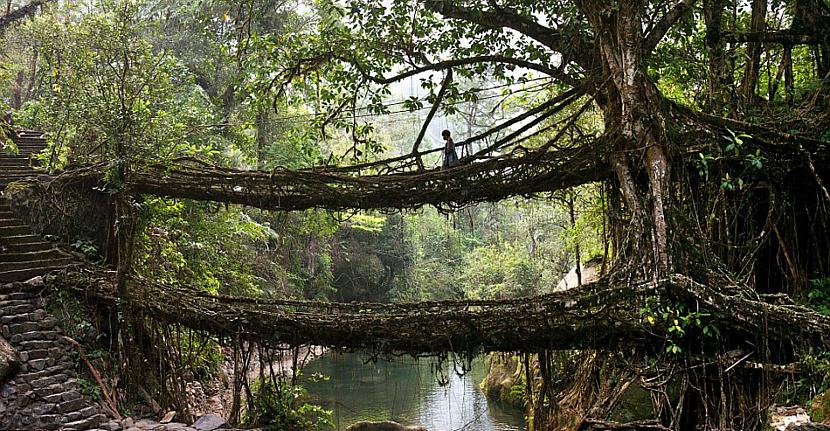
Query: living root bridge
{"type": "Point", "coordinates": [596, 316]}
{"type": "Point", "coordinates": [521, 173]}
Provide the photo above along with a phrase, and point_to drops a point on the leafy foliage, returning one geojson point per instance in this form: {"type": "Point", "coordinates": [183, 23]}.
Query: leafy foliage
{"type": "Point", "coordinates": [280, 406]}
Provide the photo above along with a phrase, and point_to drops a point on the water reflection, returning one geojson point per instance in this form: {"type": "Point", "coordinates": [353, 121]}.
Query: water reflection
{"type": "Point", "coordinates": [406, 390]}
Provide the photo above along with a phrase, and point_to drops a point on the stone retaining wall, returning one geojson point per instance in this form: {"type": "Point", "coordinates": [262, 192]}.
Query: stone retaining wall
{"type": "Point", "coordinates": [44, 393]}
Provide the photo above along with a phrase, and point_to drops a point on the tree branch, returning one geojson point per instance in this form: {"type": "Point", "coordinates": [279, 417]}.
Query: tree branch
{"type": "Point", "coordinates": [502, 18]}
{"type": "Point", "coordinates": [20, 13]}
{"type": "Point", "coordinates": [666, 22]}
{"type": "Point", "coordinates": [443, 65]}
{"type": "Point", "coordinates": [787, 37]}
{"type": "Point", "coordinates": [444, 86]}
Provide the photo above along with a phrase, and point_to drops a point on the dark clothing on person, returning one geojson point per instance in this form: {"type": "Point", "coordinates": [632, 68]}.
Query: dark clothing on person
{"type": "Point", "coordinates": [450, 157]}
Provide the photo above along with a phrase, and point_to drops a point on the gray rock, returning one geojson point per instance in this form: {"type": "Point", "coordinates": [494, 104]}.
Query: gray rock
{"type": "Point", "coordinates": [209, 422]}
{"type": "Point", "coordinates": [72, 405]}
{"type": "Point", "coordinates": [82, 414]}
{"type": "Point", "coordinates": [9, 360]}
{"type": "Point", "coordinates": [128, 423]}
{"type": "Point", "coordinates": [38, 364]}
{"type": "Point", "coordinates": [111, 426]}
{"type": "Point", "coordinates": [35, 281]}
{"type": "Point", "coordinates": [82, 424]}
{"type": "Point", "coordinates": [45, 381]}
{"type": "Point", "coordinates": [147, 424]}
{"type": "Point", "coordinates": [24, 328]}
{"type": "Point", "coordinates": [38, 353]}
{"type": "Point", "coordinates": [71, 395]}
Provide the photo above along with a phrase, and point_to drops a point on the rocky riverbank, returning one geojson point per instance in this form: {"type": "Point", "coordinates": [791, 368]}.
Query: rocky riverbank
{"type": "Point", "coordinates": [208, 422]}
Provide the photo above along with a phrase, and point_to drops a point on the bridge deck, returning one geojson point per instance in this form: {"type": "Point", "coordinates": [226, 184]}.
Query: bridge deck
{"type": "Point", "coordinates": [593, 316]}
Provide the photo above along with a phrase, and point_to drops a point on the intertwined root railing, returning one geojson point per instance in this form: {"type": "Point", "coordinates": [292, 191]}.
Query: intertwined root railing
{"type": "Point", "coordinates": [599, 316]}
{"type": "Point", "coordinates": [523, 172]}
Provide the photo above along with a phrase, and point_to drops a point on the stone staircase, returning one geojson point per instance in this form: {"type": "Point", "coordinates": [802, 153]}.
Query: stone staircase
{"type": "Point", "coordinates": [23, 255]}
{"type": "Point", "coordinates": [19, 166]}
{"type": "Point", "coordinates": [44, 393]}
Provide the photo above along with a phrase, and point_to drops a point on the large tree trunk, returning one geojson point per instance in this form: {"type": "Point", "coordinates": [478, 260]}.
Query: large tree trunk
{"type": "Point", "coordinates": [753, 63]}
{"type": "Point", "coordinates": [717, 77]}
{"type": "Point", "coordinates": [631, 106]}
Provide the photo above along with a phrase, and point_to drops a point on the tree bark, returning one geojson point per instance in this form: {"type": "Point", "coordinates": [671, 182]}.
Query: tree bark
{"type": "Point", "coordinates": [717, 79]}
{"type": "Point", "coordinates": [753, 63]}
{"type": "Point", "coordinates": [20, 13]}
{"type": "Point", "coordinates": [631, 107]}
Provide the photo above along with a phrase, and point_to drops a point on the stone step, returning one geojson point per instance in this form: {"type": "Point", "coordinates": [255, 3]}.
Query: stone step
{"type": "Point", "coordinates": [32, 316]}
{"type": "Point", "coordinates": [27, 132]}
{"type": "Point", "coordinates": [46, 372]}
{"type": "Point", "coordinates": [57, 388]}
{"type": "Point", "coordinates": [31, 264]}
{"type": "Point", "coordinates": [18, 176]}
{"type": "Point", "coordinates": [26, 150]}
{"type": "Point", "coordinates": [27, 238]}
{"type": "Point", "coordinates": [17, 166]}
{"type": "Point", "coordinates": [36, 344]}
{"type": "Point", "coordinates": [6, 161]}
{"type": "Point", "coordinates": [34, 336]}
{"type": "Point", "coordinates": [49, 380]}
{"type": "Point", "coordinates": [20, 172]}
{"type": "Point", "coordinates": [30, 146]}
{"type": "Point", "coordinates": [16, 230]}
{"type": "Point", "coordinates": [13, 170]}
{"type": "Point", "coordinates": [36, 245]}
{"type": "Point", "coordinates": [12, 306]}
{"type": "Point", "coordinates": [25, 274]}
{"type": "Point", "coordinates": [17, 296]}
{"type": "Point", "coordinates": [52, 253]}
{"type": "Point", "coordinates": [85, 423]}
{"type": "Point", "coordinates": [10, 221]}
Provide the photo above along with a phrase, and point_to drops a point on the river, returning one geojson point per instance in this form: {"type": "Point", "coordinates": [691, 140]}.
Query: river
{"type": "Point", "coordinates": [406, 390]}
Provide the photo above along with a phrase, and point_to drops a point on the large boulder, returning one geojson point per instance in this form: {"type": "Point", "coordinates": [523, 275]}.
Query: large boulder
{"type": "Point", "coordinates": [504, 380]}
{"type": "Point", "coordinates": [210, 422]}
{"type": "Point", "coordinates": [590, 272]}
{"type": "Point", "coordinates": [9, 360]}
{"type": "Point", "coordinates": [820, 408]}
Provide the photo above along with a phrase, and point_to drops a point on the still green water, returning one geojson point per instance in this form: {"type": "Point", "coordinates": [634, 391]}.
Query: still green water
{"type": "Point", "coordinates": [406, 390]}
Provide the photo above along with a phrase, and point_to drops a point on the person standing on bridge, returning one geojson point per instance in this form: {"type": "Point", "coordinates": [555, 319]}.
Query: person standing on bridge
{"type": "Point", "coordinates": [450, 156]}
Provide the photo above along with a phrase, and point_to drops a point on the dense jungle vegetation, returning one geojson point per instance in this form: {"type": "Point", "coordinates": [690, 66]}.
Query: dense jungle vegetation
{"type": "Point", "coordinates": [708, 123]}
{"type": "Point", "coordinates": [195, 88]}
